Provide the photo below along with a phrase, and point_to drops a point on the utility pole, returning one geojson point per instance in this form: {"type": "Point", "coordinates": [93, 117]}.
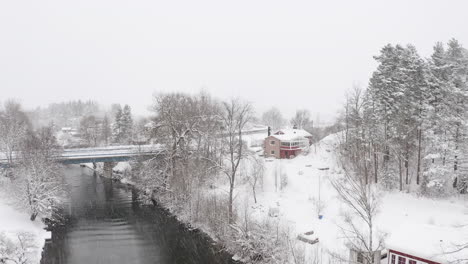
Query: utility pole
{"type": "Point", "coordinates": [319, 187]}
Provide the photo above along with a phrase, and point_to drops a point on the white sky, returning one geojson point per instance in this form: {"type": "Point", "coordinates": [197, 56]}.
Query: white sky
{"type": "Point", "coordinates": [305, 53]}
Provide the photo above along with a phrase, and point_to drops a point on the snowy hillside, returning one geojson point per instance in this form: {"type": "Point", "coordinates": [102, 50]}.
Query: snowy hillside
{"type": "Point", "coordinates": [428, 228]}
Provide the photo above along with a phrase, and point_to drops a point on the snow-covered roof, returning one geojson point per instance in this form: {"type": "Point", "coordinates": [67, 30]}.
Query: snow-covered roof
{"type": "Point", "coordinates": [291, 134]}
{"type": "Point", "coordinates": [293, 131]}
{"type": "Point", "coordinates": [424, 227]}
{"type": "Point", "coordinates": [432, 241]}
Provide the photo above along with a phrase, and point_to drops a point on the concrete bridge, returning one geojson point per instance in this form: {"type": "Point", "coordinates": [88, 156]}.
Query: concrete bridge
{"type": "Point", "coordinates": [107, 155]}
{"type": "Point", "coordinates": [112, 154]}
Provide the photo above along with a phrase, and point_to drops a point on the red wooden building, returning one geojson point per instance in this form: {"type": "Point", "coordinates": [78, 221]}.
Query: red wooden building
{"type": "Point", "coordinates": [287, 143]}
{"type": "Point", "coordinates": [398, 257]}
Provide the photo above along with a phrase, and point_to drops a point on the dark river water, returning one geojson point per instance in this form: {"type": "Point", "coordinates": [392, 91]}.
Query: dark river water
{"type": "Point", "coordinates": [107, 223]}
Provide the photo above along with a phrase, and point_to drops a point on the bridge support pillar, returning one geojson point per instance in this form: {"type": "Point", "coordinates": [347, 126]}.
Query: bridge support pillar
{"type": "Point", "coordinates": [107, 170]}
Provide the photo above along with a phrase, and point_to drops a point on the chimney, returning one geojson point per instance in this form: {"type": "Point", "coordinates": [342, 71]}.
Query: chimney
{"type": "Point", "coordinates": [269, 131]}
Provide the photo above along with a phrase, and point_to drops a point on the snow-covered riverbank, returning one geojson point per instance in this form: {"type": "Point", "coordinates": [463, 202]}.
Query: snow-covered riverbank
{"type": "Point", "coordinates": [15, 225]}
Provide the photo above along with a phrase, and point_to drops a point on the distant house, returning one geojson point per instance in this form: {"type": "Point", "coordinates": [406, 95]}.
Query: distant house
{"type": "Point", "coordinates": [399, 257]}
{"type": "Point", "coordinates": [287, 143]}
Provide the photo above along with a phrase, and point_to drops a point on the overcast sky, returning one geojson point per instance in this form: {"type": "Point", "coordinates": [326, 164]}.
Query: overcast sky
{"type": "Point", "coordinates": [289, 54]}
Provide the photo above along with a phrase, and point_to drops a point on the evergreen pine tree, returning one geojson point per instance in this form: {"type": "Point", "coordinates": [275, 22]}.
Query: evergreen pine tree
{"type": "Point", "coordinates": [117, 126]}
{"type": "Point", "coordinates": [106, 131]}
{"type": "Point", "coordinates": [127, 124]}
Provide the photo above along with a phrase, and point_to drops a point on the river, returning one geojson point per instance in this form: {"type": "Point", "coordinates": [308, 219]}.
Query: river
{"type": "Point", "coordinates": [107, 223]}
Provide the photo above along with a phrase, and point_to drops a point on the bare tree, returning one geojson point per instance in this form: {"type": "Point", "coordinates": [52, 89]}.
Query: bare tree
{"type": "Point", "coordinates": [273, 118]}
{"type": "Point", "coordinates": [90, 130]}
{"type": "Point", "coordinates": [255, 176]}
{"type": "Point", "coordinates": [37, 180]}
{"type": "Point", "coordinates": [363, 202]}
{"type": "Point", "coordinates": [17, 250]}
{"type": "Point", "coordinates": [188, 126]}
{"type": "Point", "coordinates": [455, 253]}
{"type": "Point", "coordinates": [151, 175]}
{"type": "Point", "coordinates": [106, 131]}
{"type": "Point", "coordinates": [234, 116]}
{"type": "Point", "coordinates": [176, 121]}
{"type": "Point", "coordinates": [302, 120]}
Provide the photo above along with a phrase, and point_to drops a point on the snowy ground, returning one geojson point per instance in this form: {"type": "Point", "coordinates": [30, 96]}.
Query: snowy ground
{"type": "Point", "coordinates": [13, 223]}
{"type": "Point", "coordinates": [422, 226]}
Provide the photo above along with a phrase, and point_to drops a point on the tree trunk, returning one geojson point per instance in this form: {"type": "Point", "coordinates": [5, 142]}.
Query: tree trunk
{"type": "Point", "coordinates": [419, 156]}
{"type": "Point", "coordinates": [254, 194]}
{"type": "Point", "coordinates": [366, 173]}
{"type": "Point", "coordinates": [376, 164]}
{"type": "Point", "coordinates": [407, 163]}
{"type": "Point", "coordinates": [173, 163]}
{"type": "Point", "coordinates": [401, 173]}
{"type": "Point", "coordinates": [33, 216]}
{"type": "Point", "coordinates": [371, 257]}
{"type": "Point", "coordinates": [386, 157]}
{"type": "Point", "coordinates": [406, 167]}
{"type": "Point", "coordinates": [231, 193]}
{"type": "Point", "coordinates": [347, 123]}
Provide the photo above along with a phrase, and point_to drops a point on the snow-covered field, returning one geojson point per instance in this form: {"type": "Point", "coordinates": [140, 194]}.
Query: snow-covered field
{"type": "Point", "coordinates": [13, 223]}
{"type": "Point", "coordinates": [422, 226]}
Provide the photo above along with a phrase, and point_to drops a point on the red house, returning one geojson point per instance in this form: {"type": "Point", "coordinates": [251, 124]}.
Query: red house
{"type": "Point", "coordinates": [287, 143]}
{"type": "Point", "coordinates": [398, 257]}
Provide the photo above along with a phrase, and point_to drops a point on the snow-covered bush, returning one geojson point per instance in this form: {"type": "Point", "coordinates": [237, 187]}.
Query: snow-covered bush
{"type": "Point", "coordinates": [38, 188]}
{"type": "Point", "coordinates": [122, 170]}
{"type": "Point", "coordinates": [17, 250]}
{"type": "Point", "coordinates": [37, 182]}
{"type": "Point", "coordinates": [210, 210]}
{"type": "Point", "coordinates": [437, 181]}
{"type": "Point", "coordinates": [267, 241]}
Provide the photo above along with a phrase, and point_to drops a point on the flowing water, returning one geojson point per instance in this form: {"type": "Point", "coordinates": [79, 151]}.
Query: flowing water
{"type": "Point", "coordinates": [107, 223]}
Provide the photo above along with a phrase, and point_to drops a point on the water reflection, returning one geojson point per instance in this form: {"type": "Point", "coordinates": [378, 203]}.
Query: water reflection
{"type": "Point", "coordinates": [108, 224]}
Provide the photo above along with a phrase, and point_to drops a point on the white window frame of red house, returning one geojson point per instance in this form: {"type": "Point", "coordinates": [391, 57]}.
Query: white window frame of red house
{"type": "Point", "coordinates": [407, 257]}
{"type": "Point", "coordinates": [294, 144]}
